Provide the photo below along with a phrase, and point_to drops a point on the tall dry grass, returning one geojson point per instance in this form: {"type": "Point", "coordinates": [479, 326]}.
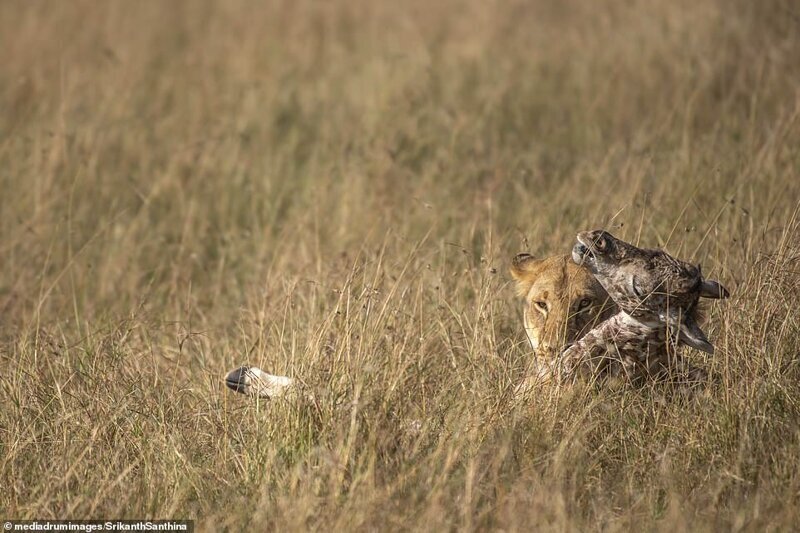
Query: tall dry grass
{"type": "Point", "coordinates": [332, 190]}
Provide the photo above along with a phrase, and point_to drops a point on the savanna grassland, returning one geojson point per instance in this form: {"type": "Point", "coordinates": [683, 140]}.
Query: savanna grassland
{"type": "Point", "coordinates": [333, 191]}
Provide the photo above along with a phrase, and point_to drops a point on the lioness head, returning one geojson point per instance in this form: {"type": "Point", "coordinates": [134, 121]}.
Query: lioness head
{"type": "Point", "coordinates": [562, 300]}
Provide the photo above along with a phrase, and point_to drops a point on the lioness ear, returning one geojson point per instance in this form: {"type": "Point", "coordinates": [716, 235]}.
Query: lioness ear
{"type": "Point", "coordinates": [710, 288]}
{"type": "Point", "coordinates": [522, 266]}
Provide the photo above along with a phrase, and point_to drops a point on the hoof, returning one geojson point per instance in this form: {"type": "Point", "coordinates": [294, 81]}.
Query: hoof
{"type": "Point", "coordinates": [238, 379]}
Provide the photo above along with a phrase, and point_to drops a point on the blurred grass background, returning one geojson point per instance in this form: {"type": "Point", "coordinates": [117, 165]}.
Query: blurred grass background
{"type": "Point", "coordinates": [332, 190]}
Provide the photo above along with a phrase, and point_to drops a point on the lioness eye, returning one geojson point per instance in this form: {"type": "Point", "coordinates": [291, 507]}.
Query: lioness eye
{"type": "Point", "coordinates": [584, 303]}
{"type": "Point", "coordinates": [542, 305]}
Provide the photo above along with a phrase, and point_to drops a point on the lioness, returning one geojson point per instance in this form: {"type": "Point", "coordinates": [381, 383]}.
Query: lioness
{"type": "Point", "coordinates": [562, 302]}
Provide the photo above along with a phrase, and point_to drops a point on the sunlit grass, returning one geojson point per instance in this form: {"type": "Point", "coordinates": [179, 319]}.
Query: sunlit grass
{"type": "Point", "coordinates": [333, 191]}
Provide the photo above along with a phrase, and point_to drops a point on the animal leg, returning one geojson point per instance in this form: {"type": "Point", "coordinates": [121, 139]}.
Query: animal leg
{"type": "Point", "coordinates": [253, 381]}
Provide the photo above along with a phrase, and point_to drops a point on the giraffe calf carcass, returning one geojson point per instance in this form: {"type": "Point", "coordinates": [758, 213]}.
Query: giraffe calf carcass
{"type": "Point", "coordinates": [657, 296]}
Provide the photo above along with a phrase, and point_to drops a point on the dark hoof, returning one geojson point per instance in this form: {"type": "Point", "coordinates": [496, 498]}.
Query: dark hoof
{"type": "Point", "coordinates": [237, 379]}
